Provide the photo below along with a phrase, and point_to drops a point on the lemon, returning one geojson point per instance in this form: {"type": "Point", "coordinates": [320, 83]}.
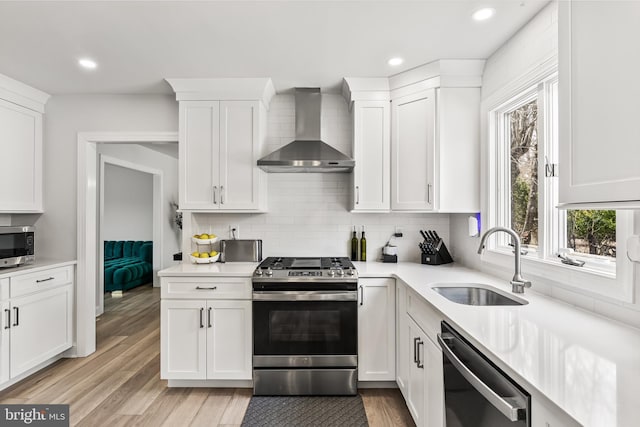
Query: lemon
{"type": "Point", "coordinates": [195, 254]}
{"type": "Point", "coordinates": [204, 255]}
{"type": "Point", "coordinates": [213, 253]}
{"type": "Point", "coordinates": [204, 236]}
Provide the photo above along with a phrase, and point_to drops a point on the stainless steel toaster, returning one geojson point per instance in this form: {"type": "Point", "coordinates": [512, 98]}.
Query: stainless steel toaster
{"type": "Point", "coordinates": [238, 250]}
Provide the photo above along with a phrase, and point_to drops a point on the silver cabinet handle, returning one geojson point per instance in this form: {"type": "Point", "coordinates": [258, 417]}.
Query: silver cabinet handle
{"type": "Point", "coordinates": [357, 195]}
{"type": "Point", "coordinates": [8, 325]}
{"type": "Point", "coordinates": [45, 280]}
{"type": "Point", "coordinates": [419, 362]}
{"type": "Point", "coordinates": [204, 288]}
{"type": "Point", "coordinates": [201, 324]}
{"type": "Point", "coordinates": [361, 295]}
{"type": "Point", "coordinates": [415, 350]}
{"type": "Point", "coordinates": [222, 194]}
{"type": "Point", "coordinates": [215, 190]}
{"type": "Point", "coordinates": [510, 411]}
{"type": "Point", "coordinates": [429, 193]}
{"type": "Point", "coordinates": [17, 319]}
{"type": "Point", "coordinates": [209, 317]}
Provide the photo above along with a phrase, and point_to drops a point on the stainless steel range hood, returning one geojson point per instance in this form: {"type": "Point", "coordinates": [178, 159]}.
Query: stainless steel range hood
{"type": "Point", "coordinates": [307, 153]}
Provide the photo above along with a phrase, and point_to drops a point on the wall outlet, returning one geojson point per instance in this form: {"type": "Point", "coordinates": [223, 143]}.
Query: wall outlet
{"type": "Point", "coordinates": [398, 232]}
{"type": "Point", "coordinates": [234, 231]}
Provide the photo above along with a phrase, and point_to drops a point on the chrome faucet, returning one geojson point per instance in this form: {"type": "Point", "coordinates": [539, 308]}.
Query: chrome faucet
{"type": "Point", "coordinates": [518, 283]}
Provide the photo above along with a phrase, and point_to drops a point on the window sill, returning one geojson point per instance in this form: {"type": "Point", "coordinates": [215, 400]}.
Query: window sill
{"type": "Point", "coordinates": [583, 280]}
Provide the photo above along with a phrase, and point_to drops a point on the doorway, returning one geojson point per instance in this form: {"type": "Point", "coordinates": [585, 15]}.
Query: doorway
{"type": "Point", "coordinates": [88, 240]}
{"type": "Point", "coordinates": [124, 213]}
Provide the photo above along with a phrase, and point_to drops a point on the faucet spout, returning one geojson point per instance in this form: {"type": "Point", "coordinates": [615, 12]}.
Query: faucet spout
{"type": "Point", "coordinates": [518, 283]}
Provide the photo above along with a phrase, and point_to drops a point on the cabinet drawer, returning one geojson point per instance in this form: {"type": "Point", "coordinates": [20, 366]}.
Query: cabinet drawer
{"type": "Point", "coordinates": [206, 288]}
{"type": "Point", "coordinates": [424, 314]}
{"type": "Point", "coordinates": [45, 279]}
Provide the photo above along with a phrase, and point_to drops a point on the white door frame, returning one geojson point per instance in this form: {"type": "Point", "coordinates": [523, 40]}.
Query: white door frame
{"type": "Point", "coordinates": [158, 214]}
{"type": "Point", "coordinates": [87, 223]}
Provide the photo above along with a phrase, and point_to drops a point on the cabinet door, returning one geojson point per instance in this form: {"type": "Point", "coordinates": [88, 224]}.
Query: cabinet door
{"type": "Point", "coordinates": [229, 340]}
{"type": "Point", "coordinates": [199, 150]}
{"type": "Point", "coordinates": [412, 152]}
{"type": "Point", "coordinates": [376, 330]}
{"type": "Point", "coordinates": [5, 324]}
{"type": "Point", "coordinates": [20, 159]}
{"type": "Point", "coordinates": [239, 145]}
{"type": "Point", "coordinates": [183, 339]}
{"type": "Point", "coordinates": [40, 327]}
{"type": "Point", "coordinates": [416, 383]}
{"type": "Point", "coordinates": [598, 101]}
{"type": "Point", "coordinates": [434, 384]}
{"type": "Point", "coordinates": [371, 150]}
{"type": "Point", "coordinates": [403, 352]}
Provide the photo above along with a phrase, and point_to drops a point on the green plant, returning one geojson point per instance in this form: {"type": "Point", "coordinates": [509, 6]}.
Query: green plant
{"type": "Point", "coordinates": [593, 230]}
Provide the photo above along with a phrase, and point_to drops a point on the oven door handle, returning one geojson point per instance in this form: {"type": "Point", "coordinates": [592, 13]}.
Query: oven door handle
{"type": "Point", "coordinates": [513, 412]}
{"type": "Point", "coordinates": [305, 296]}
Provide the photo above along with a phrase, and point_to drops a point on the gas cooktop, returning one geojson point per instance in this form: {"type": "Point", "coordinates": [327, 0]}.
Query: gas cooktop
{"type": "Point", "coordinates": [275, 269]}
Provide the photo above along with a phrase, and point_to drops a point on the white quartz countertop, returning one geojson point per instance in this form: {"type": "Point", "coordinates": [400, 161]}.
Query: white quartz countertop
{"type": "Point", "coordinates": [228, 269]}
{"type": "Point", "coordinates": [589, 366]}
{"type": "Point", "coordinates": [38, 265]}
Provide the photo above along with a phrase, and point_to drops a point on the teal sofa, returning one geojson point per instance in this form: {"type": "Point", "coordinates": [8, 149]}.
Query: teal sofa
{"type": "Point", "coordinates": [127, 264]}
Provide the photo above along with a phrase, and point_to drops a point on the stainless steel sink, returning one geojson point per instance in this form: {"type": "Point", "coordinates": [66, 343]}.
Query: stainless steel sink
{"type": "Point", "coordinates": [477, 295]}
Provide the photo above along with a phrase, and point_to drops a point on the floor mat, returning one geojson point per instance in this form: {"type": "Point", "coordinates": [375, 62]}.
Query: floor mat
{"type": "Point", "coordinates": [325, 411]}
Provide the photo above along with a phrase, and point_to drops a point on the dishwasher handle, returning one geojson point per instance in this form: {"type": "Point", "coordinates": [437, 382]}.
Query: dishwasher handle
{"type": "Point", "coordinates": [513, 412]}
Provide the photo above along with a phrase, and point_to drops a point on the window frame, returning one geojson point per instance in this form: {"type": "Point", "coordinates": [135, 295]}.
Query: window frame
{"type": "Point", "coordinates": [614, 284]}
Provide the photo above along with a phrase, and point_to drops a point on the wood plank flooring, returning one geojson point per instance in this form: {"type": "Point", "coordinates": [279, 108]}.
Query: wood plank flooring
{"type": "Point", "coordinates": [120, 385]}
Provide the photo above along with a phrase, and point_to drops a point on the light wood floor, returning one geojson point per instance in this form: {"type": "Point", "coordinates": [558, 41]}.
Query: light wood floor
{"type": "Point", "coordinates": [119, 384]}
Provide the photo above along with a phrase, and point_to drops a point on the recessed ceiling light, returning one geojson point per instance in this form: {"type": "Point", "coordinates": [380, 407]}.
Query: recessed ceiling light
{"type": "Point", "coordinates": [87, 63]}
{"type": "Point", "coordinates": [483, 14]}
{"type": "Point", "coordinates": [394, 62]}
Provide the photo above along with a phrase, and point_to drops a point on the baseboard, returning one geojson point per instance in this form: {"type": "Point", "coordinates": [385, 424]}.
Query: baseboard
{"type": "Point", "coordinates": [377, 384]}
{"type": "Point", "coordinates": [212, 383]}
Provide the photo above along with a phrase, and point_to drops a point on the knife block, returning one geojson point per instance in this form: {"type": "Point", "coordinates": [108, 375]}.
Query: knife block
{"type": "Point", "coordinates": [440, 256]}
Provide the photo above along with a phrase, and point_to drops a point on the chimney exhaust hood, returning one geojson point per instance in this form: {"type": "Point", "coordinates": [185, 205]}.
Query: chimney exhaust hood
{"type": "Point", "coordinates": [307, 153]}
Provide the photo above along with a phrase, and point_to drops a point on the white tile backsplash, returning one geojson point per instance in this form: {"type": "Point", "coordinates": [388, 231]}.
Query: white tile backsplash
{"type": "Point", "coordinates": [308, 212]}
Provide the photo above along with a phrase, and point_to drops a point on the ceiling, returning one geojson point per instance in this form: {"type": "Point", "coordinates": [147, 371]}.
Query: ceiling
{"type": "Point", "coordinates": [297, 43]}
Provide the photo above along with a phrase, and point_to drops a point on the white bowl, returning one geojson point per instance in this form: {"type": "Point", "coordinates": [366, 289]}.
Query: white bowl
{"type": "Point", "coordinates": [207, 260]}
{"type": "Point", "coordinates": [204, 241]}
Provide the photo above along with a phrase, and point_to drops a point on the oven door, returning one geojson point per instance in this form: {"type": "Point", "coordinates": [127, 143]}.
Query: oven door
{"type": "Point", "coordinates": [305, 329]}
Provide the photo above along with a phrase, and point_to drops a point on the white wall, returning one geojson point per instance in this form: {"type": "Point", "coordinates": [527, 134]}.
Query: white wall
{"type": "Point", "coordinates": [168, 165]}
{"type": "Point", "coordinates": [128, 204]}
{"type": "Point", "coordinates": [308, 213]}
{"type": "Point", "coordinates": [535, 44]}
{"type": "Point", "coordinates": [67, 115]}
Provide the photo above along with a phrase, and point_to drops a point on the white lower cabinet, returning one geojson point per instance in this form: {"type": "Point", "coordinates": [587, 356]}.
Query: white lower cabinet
{"type": "Point", "coordinates": [40, 328]}
{"type": "Point", "coordinates": [376, 330]}
{"type": "Point", "coordinates": [419, 368]}
{"type": "Point", "coordinates": [206, 339]}
{"type": "Point", "coordinates": [36, 320]}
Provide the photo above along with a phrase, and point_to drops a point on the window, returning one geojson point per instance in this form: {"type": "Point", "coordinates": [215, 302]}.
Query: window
{"type": "Point", "coordinates": [525, 133]}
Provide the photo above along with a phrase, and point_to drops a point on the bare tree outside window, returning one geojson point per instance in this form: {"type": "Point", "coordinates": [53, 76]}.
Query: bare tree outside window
{"type": "Point", "coordinates": [523, 123]}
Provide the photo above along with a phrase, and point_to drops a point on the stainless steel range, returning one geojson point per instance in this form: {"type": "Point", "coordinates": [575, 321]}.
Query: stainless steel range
{"type": "Point", "coordinates": [305, 326]}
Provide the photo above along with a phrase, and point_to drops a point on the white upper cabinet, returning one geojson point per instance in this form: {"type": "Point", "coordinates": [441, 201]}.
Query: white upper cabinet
{"type": "Point", "coordinates": [221, 134]}
{"type": "Point", "coordinates": [21, 110]}
{"type": "Point", "coordinates": [599, 90]}
{"type": "Point", "coordinates": [371, 113]}
{"type": "Point", "coordinates": [413, 151]}
{"type": "Point", "coordinates": [435, 137]}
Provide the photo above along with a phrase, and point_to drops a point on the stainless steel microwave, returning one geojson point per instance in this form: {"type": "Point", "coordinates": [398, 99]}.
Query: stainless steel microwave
{"type": "Point", "coordinates": [16, 246]}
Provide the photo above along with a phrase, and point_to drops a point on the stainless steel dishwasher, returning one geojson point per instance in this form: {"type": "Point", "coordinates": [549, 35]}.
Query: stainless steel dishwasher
{"type": "Point", "coordinates": [476, 392]}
